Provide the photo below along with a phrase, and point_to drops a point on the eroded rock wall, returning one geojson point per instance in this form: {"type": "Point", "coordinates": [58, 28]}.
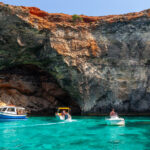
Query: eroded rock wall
{"type": "Point", "coordinates": [109, 65]}
{"type": "Point", "coordinates": [102, 62]}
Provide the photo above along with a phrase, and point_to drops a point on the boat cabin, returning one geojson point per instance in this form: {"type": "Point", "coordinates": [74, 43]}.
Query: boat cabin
{"type": "Point", "coordinates": [13, 110]}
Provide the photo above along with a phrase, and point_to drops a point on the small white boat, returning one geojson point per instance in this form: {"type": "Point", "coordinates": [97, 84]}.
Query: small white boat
{"type": "Point", "coordinates": [63, 117]}
{"type": "Point", "coordinates": [12, 112]}
{"type": "Point", "coordinates": [115, 120]}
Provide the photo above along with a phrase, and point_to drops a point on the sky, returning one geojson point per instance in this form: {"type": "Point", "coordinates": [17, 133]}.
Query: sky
{"type": "Point", "coordinates": [86, 7]}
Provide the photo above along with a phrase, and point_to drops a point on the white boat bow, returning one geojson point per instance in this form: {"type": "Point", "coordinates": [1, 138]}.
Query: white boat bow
{"type": "Point", "coordinates": [115, 120]}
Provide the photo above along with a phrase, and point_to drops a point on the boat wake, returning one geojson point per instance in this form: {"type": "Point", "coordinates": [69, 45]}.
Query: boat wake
{"type": "Point", "coordinates": [42, 124]}
{"type": "Point", "coordinates": [72, 120]}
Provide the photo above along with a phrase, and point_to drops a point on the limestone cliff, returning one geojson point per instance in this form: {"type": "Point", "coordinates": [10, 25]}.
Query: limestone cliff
{"type": "Point", "coordinates": [101, 62]}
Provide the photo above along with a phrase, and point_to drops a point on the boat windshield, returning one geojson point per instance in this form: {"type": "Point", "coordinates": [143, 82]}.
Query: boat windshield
{"type": "Point", "coordinates": [4, 109]}
{"type": "Point", "coordinates": [11, 109]}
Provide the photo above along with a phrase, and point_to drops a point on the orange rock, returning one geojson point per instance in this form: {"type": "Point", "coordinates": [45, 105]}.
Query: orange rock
{"type": "Point", "coordinates": [50, 20]}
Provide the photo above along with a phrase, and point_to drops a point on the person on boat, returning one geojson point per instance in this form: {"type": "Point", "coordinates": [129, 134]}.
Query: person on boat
{"type": "Point", "coordinates": [113, 113]}
{"type": "Point", "coordinates": [67, 116]}
{"type": "Point", "coordinates": [18, 112]}
{"type": "Point", "coordinates": [63, 113]}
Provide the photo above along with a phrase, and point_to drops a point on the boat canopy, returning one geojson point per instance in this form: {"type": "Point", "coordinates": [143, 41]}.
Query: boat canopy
{"type": "Point", "coordinates": [67, 108]}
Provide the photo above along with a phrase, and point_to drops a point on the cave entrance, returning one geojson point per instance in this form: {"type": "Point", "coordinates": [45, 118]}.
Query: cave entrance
{"type": "Point", "coordinates": [36, 90]}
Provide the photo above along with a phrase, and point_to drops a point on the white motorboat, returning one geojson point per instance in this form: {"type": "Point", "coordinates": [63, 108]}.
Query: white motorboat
{"type": "Point", "coordinates": [115, 120]}
{"type": "Point", "coordinates": [61, 116]}
{"type": "Point", "coordinates": [12, 112]}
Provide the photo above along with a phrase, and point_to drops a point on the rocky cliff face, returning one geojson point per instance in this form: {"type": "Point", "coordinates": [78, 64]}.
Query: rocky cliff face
{"type": "Point", "coordinates": [34, 89]}
{"type": "Point", "coordinates": [101, 62]}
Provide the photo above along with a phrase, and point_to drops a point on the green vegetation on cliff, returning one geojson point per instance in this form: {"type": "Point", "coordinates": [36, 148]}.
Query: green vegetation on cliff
{"type": "Point", "coordinates": [77, 18]}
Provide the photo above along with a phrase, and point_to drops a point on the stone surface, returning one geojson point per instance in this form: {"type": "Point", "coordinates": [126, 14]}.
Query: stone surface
{"type": "Point", "coordinates": [34, 89]}
{"type": "Point", "coordinates": [102, 62]}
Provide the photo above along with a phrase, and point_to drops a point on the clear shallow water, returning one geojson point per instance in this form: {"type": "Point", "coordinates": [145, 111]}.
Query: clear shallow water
{"type": "Point", "coordinates": [84, 133]}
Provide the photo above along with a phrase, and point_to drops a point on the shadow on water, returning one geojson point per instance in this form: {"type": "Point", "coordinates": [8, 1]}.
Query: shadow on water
{"type": "Point", "coordinates": [128, 124]}
{"type": "Point", "coordinates": [137, 123]}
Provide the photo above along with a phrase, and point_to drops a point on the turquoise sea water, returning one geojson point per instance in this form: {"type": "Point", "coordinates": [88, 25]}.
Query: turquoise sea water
{"type": "Point", "coordinates": [84, 133]}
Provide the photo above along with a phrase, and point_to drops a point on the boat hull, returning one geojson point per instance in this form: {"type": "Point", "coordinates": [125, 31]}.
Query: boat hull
{"type": "Point", "coordinates": [62, 118]}
{"type": "Point", "coordinates": [7, 116]}
{"type": "Point", "coordinates": [115, 121]}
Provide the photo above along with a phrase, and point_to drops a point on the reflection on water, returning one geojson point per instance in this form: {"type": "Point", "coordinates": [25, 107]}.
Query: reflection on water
{"type": "Point", "coordinates": [84, 133]}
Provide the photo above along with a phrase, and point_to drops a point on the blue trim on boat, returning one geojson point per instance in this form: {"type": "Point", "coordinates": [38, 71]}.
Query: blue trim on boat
{"type": "Point", "coordinates": [2, 116]}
